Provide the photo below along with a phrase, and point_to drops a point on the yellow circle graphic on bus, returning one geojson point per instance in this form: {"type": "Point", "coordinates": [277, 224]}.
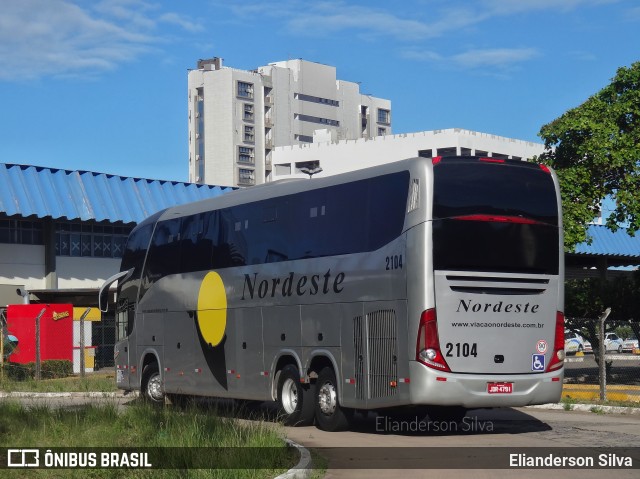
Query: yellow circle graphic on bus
{"type": "Point", "coordinates": [212, 309]}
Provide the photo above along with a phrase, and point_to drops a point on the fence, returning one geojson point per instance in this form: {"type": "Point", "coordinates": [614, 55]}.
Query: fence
{"type": "Point", "coordinates": [46, 341]}
{"type": "Point", "coordinates": [587, 376]}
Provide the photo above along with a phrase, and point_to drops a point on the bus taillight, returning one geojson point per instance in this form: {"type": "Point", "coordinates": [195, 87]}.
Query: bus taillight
{"type": "Point", "coordinates": [557, 358]}
{"type": "Point", "coordinates": [428, 346]}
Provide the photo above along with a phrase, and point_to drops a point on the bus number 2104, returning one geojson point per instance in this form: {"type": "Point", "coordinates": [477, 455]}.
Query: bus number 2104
{"type": "Point", "coordinates": [462, 350]}
{"type": "Point", "coordinates": [394, 262]}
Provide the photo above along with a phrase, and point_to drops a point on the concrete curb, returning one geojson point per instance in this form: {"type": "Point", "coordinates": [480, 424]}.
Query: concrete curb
{"type": "Point", "coordinates": [303, 468]}
{"type": "Point", "coordinates": [589, 408]}
{"type": "Point", "coordinates": [22, 395]}
{"type": "Point", "coordinates": [120, 394]}
{"type": "Point", "coordinates": [57, 395]}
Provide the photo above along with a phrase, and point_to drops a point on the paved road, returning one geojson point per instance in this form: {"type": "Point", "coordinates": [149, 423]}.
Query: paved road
{"type": "Point", "coordinates": [499, 431]}
{"type": "Point", "coordinates": [495, 429]}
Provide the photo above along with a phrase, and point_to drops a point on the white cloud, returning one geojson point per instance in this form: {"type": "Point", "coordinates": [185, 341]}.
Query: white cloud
{"type": "Point", "coordinates": [324, 18]}
{"type": "Point", "coordinates": [181, 21]}
{"type": "Point", "coordinates": [40, 38]}
{"type": "Point", "coordinates": [633, 13]}
{"type": "Point", "coordinates": [510, 7]}
{"type": "Point", "coordinates": [422, 55]}
{"type": "Point", "coordinates": [425, 21]}
{"type": "Point", "coordinates": [492, 61]}
{"type": "Point", "coordinates": [493, 57]}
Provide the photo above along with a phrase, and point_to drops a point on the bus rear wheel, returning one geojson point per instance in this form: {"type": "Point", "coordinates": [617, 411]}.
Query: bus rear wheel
{"type": "Point", "coordinates": [295, 400]}
{"type": "Point", "coordinates": [151, 386]}
{"type": "Point", "coordinates": [330, 416]}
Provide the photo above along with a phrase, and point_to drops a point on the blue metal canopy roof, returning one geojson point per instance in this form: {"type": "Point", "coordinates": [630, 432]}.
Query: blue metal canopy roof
{"type": "Point", "coordinates": [608, 243]}
{"type": "Point", "coordinates": [85, 195]}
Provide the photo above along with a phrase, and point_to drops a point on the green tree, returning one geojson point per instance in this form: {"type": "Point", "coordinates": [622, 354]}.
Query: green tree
{"type": "Point", "coordinates": [586, 300]}
{"type": "Point", "coordinates": [595, 150]}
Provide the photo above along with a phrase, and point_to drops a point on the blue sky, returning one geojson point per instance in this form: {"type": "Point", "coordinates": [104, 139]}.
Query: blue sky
{"type": "Point", "coordinates": [102, 85]}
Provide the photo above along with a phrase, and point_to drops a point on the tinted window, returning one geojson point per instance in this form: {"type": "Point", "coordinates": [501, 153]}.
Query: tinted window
{"type": "Point", "coordinates": [224, 229]}
{"type": "Point", "coordinates": [164, 253]}
{"type": "Point", "coordinates": [133, 257]}
{"type": "Point", "coordinates": [473, 187]}
{"type": "Point", "coordinates": [468, 188]}
{"type": "Point", "coordinates": [493, 246]}
{"type": "Point", "coordinates": [195, 251]}
{"type": "Point", "coordinates": [350, 218]}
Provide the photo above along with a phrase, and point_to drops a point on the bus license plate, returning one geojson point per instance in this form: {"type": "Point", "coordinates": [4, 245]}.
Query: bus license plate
{"type": "Point", "coordinates": [500, 388]}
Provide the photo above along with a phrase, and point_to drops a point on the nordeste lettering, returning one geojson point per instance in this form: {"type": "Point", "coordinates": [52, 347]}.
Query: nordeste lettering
{"type": "Point", "coordinates": [291, 285]}
{"type": "Point", "coordinates": [471, 306]}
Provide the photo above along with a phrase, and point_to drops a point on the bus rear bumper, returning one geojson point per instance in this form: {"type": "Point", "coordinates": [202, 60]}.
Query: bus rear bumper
{"type": "Point", "coordinates": [433, 387]}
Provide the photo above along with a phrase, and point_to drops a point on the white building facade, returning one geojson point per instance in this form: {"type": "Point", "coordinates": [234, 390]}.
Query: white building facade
{"type": "Point", "coordinates": [238, 117]}
{"type": "Point", "coordinates": [340, 156]}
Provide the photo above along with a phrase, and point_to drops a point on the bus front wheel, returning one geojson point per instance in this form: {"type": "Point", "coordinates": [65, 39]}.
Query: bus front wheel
{"type": "Point", "coordinates": [295, 400]}
{"type": "Point", "coordinates": [151, 387]}
{"type": "Point", "coordinates": [330, 416]}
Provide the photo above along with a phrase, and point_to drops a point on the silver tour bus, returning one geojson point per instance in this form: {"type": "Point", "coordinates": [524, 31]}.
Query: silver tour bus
{"type": "Point", "coordinates": [425, 285]}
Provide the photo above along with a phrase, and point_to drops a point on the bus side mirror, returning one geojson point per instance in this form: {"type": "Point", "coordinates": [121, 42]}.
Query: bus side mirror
{"type": "Point", "coordinates": [103, 295]}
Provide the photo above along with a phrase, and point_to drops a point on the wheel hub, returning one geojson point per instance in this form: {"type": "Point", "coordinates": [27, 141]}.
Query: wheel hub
{"type": "Point", "coordinates": [289, 396]}
{"type": "Point", "coordinates": [327, 399]}
{"type": "Point", "coordinates": [154, 388]}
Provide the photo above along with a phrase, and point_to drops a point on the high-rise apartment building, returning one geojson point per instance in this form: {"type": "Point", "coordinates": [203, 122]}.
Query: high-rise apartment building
{"type": "Point", "coordinates": [237, 117]}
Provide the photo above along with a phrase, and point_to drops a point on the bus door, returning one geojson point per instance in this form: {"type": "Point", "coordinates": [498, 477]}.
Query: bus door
{"type": "Point", "coordinates": [123, 355]}
{"type": "Point", "coordinates": [183, 374]}
{"type": "Point", "coordinates": [251, 381]}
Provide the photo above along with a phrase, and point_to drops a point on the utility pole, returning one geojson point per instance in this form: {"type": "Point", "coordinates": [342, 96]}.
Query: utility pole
{"type": "Point", "coordinates": [601, 354]}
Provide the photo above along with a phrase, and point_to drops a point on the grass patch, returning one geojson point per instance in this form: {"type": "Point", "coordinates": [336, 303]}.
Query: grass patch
{"type": "Point", "coordinates": [100, 382]}
{"type": "Point", "coordinates": [138, 426]}
{"type": "Point", "coordinates": [567, 403]}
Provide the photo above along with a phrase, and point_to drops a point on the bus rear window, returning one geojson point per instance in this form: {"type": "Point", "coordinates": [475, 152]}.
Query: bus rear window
{"type": "Point", "coordinates": [494, 217]}
{"type": "Point", "coordinates": [470, 188]}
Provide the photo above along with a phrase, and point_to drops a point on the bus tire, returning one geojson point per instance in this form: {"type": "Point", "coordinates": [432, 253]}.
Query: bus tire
{"type": "Point", "coordinates": [151, 386]}
{"type": "Point", "coordinates": [330, 416]}
{"type": "Point", "coordinates": [294, 399]}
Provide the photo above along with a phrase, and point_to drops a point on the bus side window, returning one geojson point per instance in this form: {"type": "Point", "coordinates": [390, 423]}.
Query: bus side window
{"type": "Point", "coordinates": [133, 257]}
{"type": "Point", "coordinates": [195, 249]}
{"type": "Point", "coordinates": [228, 246]}
{"type": "Point", "coordinates": [164, 254]}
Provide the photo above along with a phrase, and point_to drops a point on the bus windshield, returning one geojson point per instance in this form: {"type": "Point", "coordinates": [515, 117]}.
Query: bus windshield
{"type": "Point", "coordinates": [494, 217]}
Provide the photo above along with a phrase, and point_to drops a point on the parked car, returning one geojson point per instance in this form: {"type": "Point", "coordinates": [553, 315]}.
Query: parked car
{"type": "Point", "coordinates": [630, 344]}
{"type": "Point", "coordinates": [573, 342]}
{"type": "Point", "coordinates": [587, 347]}
{"type": "Point", "coordinates": [612, 342]}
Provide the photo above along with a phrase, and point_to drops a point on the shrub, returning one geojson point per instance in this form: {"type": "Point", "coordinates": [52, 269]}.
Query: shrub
{"type": "Point", "coordinates": [50, 369]}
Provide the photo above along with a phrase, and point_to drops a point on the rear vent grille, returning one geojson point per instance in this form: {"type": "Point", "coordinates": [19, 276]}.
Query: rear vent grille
{"type": "Point", "coordinates": [376, 365]}
{"type": "Point", "coordinates": [496, 285]}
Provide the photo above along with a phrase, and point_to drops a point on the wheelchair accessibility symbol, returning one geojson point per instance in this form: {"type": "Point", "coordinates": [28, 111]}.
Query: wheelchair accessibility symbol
{"type": "Point", "coordinates": [537, 362]}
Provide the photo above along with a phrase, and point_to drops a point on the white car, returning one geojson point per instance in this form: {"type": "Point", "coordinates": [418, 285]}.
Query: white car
{"type": "Point", "coordinates": [612, 342]}
{"type": "Point", "coordinates": [573, 342]}
{"type": "Point", "coordinates": [629, 345]}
